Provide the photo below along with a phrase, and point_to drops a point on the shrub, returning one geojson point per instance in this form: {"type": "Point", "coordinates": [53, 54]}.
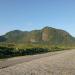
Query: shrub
{"type": "Point", "coordinates": [6, 52]}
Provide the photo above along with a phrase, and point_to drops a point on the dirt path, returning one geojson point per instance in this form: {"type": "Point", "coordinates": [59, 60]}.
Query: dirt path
{"type": "Point", "coordinates": [59, 64]}
{"type": "Point", "coordinates": [17, 60]}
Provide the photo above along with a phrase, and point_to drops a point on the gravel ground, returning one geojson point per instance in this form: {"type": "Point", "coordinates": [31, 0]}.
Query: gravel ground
{"type": "Point", "coordinates": [59, 64]}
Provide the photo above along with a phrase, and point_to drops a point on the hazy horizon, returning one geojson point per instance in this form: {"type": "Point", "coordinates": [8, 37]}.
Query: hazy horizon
{"type": "Point", "coordinates": [29, 15]}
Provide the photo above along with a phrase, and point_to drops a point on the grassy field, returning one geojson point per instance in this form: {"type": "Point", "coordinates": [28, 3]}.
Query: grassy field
{"type": "Point", "coordinates": [22, 50]}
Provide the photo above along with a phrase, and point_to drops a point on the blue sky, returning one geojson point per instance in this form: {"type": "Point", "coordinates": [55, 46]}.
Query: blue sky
{"type": "Point", "coordinates": [36, 14]}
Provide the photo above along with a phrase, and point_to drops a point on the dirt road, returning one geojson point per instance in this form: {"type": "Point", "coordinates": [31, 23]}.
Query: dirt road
{"type": "Point", "coordinates": [60, 64]}
{"type": "Point", "coordinates": [17, 60]}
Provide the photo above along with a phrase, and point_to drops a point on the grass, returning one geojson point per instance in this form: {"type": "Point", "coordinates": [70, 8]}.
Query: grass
{"type": "Point", "coordinates": [20, 50]}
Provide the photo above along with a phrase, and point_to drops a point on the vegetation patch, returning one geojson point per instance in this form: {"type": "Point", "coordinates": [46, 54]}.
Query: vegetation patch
{"type": "Point", "coordinates": [6, 52]}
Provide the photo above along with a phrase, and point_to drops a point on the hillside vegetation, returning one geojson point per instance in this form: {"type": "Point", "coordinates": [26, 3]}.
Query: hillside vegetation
{"type": "Point", "coordinates": [47, 35]}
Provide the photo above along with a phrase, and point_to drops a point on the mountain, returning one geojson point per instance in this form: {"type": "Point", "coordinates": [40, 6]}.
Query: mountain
{"type": "Point", "coordinates": [47, 35]}
{"type": "Point", "coordinates": [2, 39]}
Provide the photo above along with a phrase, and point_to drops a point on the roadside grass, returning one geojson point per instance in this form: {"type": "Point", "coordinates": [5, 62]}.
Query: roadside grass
{"type": "Point", "coordinates": [8, 52]}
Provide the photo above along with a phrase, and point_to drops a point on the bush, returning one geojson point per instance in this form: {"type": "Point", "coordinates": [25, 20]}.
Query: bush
{"type": "Point", "coordinates": [6, 52]}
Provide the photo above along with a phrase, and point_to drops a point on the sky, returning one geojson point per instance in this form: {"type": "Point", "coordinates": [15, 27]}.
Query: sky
{"type": "Point", "coordinates": [29, 15]}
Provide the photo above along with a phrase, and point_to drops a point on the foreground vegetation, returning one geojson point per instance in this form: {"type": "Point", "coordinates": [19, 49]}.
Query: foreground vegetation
{"type": "Point", "coordinates": [6, 52]}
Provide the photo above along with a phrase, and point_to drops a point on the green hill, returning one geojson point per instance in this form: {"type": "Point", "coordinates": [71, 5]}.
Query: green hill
{"type": "Point", "coordinates": [46, 36]}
